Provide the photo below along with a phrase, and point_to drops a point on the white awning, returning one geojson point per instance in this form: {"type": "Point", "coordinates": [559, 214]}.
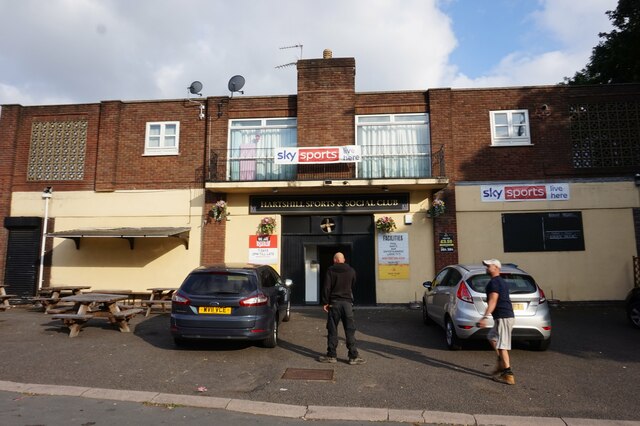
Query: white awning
{"type": "Point", "coordinates": [129, 234]}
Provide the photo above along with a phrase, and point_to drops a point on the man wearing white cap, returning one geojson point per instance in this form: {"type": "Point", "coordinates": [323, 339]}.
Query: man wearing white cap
{"type": "Point", "coordinates": [499, 307]}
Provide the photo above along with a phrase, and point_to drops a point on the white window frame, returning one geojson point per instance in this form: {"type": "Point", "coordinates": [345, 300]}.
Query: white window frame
{"type": "Point", "coordinates": [264, 167]}
{"type": "Point", "coordinates": [512, 139]}
{"type": "Point", "coordinates": [161, 149]}
{"type": "Point", "coordinates": [364, 167]}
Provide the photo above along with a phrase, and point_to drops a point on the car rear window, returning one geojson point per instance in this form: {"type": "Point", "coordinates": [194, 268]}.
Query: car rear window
{"type": "Point", "coordinates": [209, 284]}
{"type": "Point", "coordinates": [518, 283]}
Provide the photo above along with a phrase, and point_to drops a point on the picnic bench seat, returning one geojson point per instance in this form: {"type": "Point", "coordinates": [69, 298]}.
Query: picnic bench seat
{"type": "Point", "coordinates": [60, 310]}
{"type": "Point", "coordinates": [43, 299]}
{"type": "Point", "coordinates": [127, 314]}
{"type": "Point", "coordinates": [72, 318]}
{"type": "Point", "coordinates": [73, 321]}
{"type": "Point", "coordinates": [163, 303]}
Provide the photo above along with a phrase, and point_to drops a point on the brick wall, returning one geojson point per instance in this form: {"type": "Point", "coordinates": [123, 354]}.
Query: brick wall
{"type": "Point", "coordinates": [9, 119]}
{"type": "Point", "coordinates": [213, 233]}
{"type": "Point", "coordinates": [125, 160]}
{"type": "Point", "coordinates": [326, 102]}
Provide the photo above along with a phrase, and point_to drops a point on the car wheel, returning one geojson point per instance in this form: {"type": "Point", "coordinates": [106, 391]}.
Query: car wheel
{"type": "Point", "coordinates": [453, 343]}
{"type": "Point", "coordinates": [272, 340]}
{"type": "Point", "coordinates": [287, 314]}
{"type": "Point", "coordinates": [540, 345]}
{"type": "Point", "coordinates": [633, 313]}
{"type": "Point", "coordinates": [425, 315]}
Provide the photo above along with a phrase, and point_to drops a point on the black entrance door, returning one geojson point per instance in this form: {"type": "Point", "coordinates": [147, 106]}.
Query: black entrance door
{"type": "Point", "coordinates": [21, 267]}
{"type": "Point", "coordinates": [352, 235]}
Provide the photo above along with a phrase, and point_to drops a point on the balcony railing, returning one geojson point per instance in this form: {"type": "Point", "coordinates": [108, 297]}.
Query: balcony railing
{"type": "Point", "coordinates": [396, 162]}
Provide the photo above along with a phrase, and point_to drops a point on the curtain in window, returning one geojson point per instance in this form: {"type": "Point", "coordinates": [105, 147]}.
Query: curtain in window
{"type": "Point", "coordinates": [394, 151]}
{"type": "Point", "coordinates": [251, 154]}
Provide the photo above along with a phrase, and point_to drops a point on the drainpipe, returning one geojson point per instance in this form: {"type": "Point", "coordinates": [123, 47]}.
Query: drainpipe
{"type": "Point", "coordinates": [46, 194]}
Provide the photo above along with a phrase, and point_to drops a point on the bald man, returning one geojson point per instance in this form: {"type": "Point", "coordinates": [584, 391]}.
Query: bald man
{"type": "Point", "coordinates": [337, 301]}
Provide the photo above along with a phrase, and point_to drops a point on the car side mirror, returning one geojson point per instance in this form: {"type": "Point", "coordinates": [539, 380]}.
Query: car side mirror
{"type": "Point", "coordinates": [427, 284]}
{"type": "Point", "coordinates": [288, 282]}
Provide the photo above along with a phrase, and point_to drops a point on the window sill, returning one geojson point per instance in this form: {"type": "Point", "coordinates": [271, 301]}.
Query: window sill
{"type": "Point", "coordinates": [159, 154]}
{"type": "Point", "coordinates": [506, 145]}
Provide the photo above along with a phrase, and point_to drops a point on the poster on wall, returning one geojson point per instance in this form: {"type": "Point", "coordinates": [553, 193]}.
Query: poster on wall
{"type": "Point", "coordinates": [263, 249]}
{"type": "Point", "coordinates": [445, 242]}
{"type": "Point", "coordinates": [393, 256]}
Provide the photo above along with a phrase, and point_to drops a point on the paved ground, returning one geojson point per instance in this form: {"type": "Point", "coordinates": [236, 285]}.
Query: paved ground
{"type": "Point", "coordinates": [592, 369]}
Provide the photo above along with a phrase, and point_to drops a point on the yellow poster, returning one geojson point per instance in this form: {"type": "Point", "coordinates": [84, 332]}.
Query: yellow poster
{"type": "Point", "coordinates": [393, 272]}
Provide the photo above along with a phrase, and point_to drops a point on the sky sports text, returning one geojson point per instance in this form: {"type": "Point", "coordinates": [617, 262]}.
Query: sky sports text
{"type": "Point", "coordinates": [552, 192]}
{"type": "Point", "coordinates": [340, 154]}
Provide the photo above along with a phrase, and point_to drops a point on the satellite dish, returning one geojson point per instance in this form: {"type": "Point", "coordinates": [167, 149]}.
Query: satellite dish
{"type": "Point", "coordinates": [195, 88]}
{"type": "Point", "coordinates": [236, 84]}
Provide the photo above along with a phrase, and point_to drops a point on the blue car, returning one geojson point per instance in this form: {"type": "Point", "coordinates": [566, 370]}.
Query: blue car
{"type": "Point", "coordinates": [231, 301]}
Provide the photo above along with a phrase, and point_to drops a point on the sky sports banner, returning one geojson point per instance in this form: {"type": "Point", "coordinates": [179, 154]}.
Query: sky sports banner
{"type": "Point", "coordinates": [318, 155]}
{"type": "Point", "coordinates": [548, 192]}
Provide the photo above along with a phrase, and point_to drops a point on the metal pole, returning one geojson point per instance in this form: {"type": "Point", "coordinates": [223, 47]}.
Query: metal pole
{"type": "Point", "coordinates": [46, 195]}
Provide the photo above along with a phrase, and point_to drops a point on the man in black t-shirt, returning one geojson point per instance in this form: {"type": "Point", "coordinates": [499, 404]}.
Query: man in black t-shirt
{"type": "Point", "coordinates": [499, 307]}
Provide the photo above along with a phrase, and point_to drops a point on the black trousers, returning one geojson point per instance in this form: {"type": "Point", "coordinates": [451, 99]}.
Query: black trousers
{"type": "Point", "coordinates": [341, 311]}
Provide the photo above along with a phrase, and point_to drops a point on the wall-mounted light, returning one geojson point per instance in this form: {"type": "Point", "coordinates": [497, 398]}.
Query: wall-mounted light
{"type": "Point", "coordinates": [274, 190]}
{"type": "Point", "coordinates": [385, 188]}
{"type": "Point", "coordinates": [636, 179]}
{"type": "Point", "coordinates": [408, 219]}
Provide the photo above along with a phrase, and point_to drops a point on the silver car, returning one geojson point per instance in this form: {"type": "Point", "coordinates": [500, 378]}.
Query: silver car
{"type": "Point", "coordinates": [456, 300]}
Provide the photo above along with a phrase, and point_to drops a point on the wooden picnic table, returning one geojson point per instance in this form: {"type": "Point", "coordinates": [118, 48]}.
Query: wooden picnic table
{"type": "Point", "coordinates": [49, 297]}
{"type": "Point", "coordinates": [160, 296]}
{"type": "Point", "coordinates": [96, 305]}
{"type": "Point", "coordinates": [4, 298]}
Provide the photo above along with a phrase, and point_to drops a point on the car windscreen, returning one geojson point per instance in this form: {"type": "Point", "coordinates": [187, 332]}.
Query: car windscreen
{"type": "Point", "coordinates": [518, 283]}
{"type": "Point", "coordinates": [214, 284]}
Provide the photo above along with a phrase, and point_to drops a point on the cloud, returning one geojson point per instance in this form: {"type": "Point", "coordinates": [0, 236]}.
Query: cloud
{"type": "Point", "coordinates": [573, 29]}
{"type": "Point", "coordinates": [74, 51]}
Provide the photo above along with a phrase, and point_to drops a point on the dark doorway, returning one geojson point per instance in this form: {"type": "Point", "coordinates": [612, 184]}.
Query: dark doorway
{"type": "Point", "coordinates": [305, 242]}
{"type": "Point", "coordinates": [23, 255]}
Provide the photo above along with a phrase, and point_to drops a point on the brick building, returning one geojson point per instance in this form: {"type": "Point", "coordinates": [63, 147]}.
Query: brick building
{"type": "Point", "coordinates": [539, 176]}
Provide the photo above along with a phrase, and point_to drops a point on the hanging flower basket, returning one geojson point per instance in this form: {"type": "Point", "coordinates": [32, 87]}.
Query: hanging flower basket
{"type": "Point", "coordinates": [385, 224]}
{"type": "Point", "coordinates": [437, 208]}
{"type": "Point", "coordinates": [219, 211]}
{"type": "Point", "coordinates": [266, 226]}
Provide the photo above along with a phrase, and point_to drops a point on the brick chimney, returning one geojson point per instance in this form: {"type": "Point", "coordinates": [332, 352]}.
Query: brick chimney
{"type": "Point", "coordinates": [326, 101]}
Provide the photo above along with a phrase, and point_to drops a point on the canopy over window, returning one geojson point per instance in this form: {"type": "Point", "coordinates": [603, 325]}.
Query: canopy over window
{"type": "Point", "coordinates": [129, 234]}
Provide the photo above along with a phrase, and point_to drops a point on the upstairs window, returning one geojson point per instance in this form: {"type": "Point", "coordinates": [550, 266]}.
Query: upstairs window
{"type": "Point", "coordinates": [252, 145]}
{"type": "Point", "coordinates": [510, 128]}
{"type": "Point", "coordinates": [394, 146]}
{"type": "Point", "coordinates": [162, 138]}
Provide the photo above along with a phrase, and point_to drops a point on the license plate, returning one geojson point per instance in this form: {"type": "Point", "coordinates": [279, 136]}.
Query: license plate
{"type": "Point", "coordinates": [519, 306]}
{"type": "Point", "coordinates": [216, 310]}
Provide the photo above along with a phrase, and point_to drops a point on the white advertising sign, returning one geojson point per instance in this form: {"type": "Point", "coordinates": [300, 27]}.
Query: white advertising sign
{"type": "Point", "coordinates": [393, 249]}
{"type": "Point", "coordinates": [543, 192]}
{"type": "Point", "coordinates": [324, 154]}
{"type": "Point", "coordinates": [263, 249]}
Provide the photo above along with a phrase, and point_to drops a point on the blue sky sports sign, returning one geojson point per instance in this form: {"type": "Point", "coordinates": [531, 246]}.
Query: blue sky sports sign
{"type": "Point", "coordinates": [544, 192]}
{"type": "Point", "coordinates": [318, 155]}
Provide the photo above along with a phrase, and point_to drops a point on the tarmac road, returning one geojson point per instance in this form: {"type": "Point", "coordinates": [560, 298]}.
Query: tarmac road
{"type": "Point", "coordinates": [592, 369]}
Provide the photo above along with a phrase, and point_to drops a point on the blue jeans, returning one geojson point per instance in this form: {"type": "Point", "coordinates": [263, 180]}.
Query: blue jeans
{"type": "Point", "coordinates": [341, 310]}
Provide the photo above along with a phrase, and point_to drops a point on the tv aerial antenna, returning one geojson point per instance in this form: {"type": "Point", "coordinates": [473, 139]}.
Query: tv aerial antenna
{"type": "Point", "coordinates": [290, 64]}
{"type": "Point", "coordinates": [195, 88]}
